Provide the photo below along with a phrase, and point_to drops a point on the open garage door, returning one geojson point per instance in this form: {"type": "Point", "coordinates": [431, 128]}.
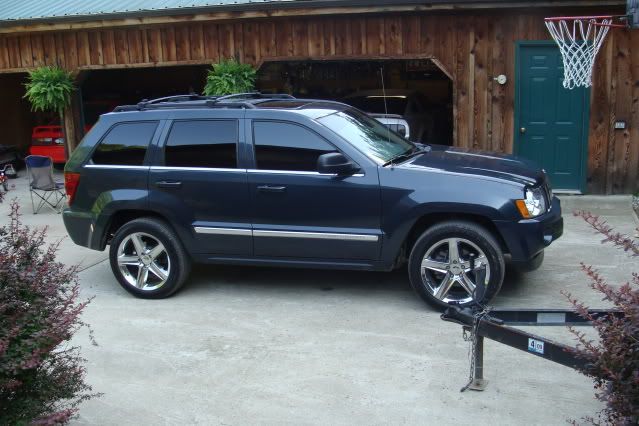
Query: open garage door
{"type": "Point", "coordinates": [417, 90]}
{"type": "Point", "coordinates": [103, 90]}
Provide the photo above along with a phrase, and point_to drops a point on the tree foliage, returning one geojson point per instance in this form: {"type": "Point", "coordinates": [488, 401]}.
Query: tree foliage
{"type": "Point", "coordinates": [41, 376]}
{"type": "Point", "coordinates": [228, 77]}
{"type": "Point", "coordinates": [614, 358]}
{"type": "Point", "coordinates": [49, 89]}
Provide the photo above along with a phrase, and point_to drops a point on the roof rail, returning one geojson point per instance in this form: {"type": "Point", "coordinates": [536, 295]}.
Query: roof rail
{"type": "Point", "coordinates": [254, 95]}
{"type": "Point", "coordinates": [237, 100]}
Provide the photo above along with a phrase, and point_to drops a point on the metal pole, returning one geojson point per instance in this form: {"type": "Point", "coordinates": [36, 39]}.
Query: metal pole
{"type": "Point", "coordinates": [478, 383]}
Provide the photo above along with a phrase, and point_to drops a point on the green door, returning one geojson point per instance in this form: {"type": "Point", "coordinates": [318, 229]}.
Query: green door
{"type": "Point", "coordinates": [550, 121]}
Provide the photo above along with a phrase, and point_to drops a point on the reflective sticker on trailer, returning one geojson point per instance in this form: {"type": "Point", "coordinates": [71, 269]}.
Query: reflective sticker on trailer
{"type": "Point", "coordinates": [536, 346]}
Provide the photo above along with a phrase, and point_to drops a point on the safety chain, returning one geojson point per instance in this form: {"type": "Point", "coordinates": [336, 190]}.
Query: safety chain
{"type": "Point", "coordinates": [472, 337]}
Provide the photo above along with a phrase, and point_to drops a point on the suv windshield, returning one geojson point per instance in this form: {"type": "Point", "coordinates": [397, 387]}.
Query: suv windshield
{"type": "Point", "coordinates": [368, 135]}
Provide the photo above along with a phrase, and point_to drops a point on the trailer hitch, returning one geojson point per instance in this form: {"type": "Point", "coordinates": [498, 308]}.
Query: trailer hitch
{"type": "Point", "coordinates": [495, 324]}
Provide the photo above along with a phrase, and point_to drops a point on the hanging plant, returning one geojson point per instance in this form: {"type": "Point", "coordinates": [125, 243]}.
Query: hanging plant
{"type": "Point", "coordinates": [228, 77]}
{"type": "Point", "coordinates": [50, 89]}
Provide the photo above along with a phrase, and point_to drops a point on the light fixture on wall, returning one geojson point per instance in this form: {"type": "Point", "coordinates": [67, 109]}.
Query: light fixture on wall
{"type": "Point", "coordinates": [501, 79]}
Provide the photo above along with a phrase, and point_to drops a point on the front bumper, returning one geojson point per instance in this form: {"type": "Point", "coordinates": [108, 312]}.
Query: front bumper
{"type": "Point", "coordinates": [528, 237]}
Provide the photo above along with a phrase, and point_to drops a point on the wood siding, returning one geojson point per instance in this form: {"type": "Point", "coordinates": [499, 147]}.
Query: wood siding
{"type": "Point", "coordinates": [471, 49]}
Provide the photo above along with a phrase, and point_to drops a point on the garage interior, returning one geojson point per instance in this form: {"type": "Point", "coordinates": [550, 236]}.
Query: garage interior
{"type": "Point", "coordinates": [417, 89]}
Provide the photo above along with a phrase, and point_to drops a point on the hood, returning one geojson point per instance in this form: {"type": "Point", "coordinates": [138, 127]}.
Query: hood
{"type": "Point", "coordinates": [479, 163]}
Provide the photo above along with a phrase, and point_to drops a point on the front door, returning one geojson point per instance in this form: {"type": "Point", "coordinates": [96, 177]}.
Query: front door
{"type": "Point", "coordinates": [550, 121]}
{"type": "Point", "coordinates": [302, 214]}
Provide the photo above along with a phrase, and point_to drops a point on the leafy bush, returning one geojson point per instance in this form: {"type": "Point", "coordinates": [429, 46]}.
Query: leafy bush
{"type": "Point", "coordinates": [41, 377]}
{"type": "Point", "coordinates": [49, 89]}
{"type": "Point", "coordinates": [228, 77]}
{"type": "Point", "coordinates": [614, 359]}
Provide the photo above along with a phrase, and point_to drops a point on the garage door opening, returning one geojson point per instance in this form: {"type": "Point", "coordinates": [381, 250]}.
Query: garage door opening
{"type": "Point", "coordinates": [16, 118]}
{"type": "Point", "coordinates": [417, 90]}
{"type": "Point", "coordinates": [103, 90]}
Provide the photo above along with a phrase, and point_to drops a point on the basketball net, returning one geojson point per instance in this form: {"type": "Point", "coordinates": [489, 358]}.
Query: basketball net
{"type": "Point", "coordinates": [579, 40]}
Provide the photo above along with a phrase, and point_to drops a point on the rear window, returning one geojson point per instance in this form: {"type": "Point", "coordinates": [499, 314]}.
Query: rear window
{"type": "Point", "coordinates": [125, 144]}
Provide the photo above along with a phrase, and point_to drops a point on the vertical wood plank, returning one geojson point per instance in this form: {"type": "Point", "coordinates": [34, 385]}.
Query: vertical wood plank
{"type": "Point", "coordinates": [284, 38]}
{"type": "Point", "coordinates": [250, 37]}
{"type": "Point", "coordinates": [374, 36]}
{"type": "Point", "coordinates": [227, 41]}
{"type": "Point", "coordinates": [411, 34]}
{"type": "Point", "coordinates": [427, 35]}
{"type": "Point", "coordinates": [71, 48]}
{"type": "Point", "coordinates": [633, 168]}
{"type": "Point", "coordinates": [84, 54]}
{"type": "Point", "coordinates": [108, 47]}
{"type": "Point", "coordinates": [37, 50]}
{"type": "Point", "coordinates": [498, 91]}
{"type": "Point", "coordinates": [169, 49]}
{"type": "Point", "coordinates": [268, 41]}
{"type": "Point", "coordinates": [13, 48]}
{"type": "Point", "coordinates": [315, 39]}
{"type": "Point", "coordinates": [343, 37]}
{"type": "Point", "coordinates": [239, 42]}
{"type": "Point", "coordinates": [392, 36]}
{"type": "Point", "coordinates": [95, 47]}
{"type": "Point", "coordinates": [26, 54]}
{"type": "Point", "coordinates": [328, 32]}
{"type": "Point", "coordinates": [599, 122]}
{"type": "Point", "coordinates": [462, 101]}
{"type": "Point", "coordinates": [182, 48]}
{"type": "Point", "coordinates": [4, 53]}
{"type": "Point", "coordinates": [134, 38]}
{"type": "Point", "coordinates": [211, 43]}
{"type": "Point", "coordinates": [480, 97]}
{"type": "Point", "coordinates": [60, 51]}
{"type": "Point", "coordinates": [196, 39]}
{"type": "Point", "coordinates": [622, 159]}
{"type": "Point", "coordinates": [300, 38]}
{"type": "Point", "coordinates": [358, 36]}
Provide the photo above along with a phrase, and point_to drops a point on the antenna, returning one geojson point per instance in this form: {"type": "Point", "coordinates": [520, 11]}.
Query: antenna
{"type": "Point", "coordinates": [381, 74]}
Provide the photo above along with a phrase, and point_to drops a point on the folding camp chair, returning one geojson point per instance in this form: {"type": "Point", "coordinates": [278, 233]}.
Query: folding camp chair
{"type": "Point", "coordinates": [47, 190]}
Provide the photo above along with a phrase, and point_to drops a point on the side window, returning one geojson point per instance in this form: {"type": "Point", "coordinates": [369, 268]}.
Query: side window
{"type": "Point", "coordinates": [285, 146]}
{"type": "Point", "coordinates": [125, 144]}
{"type": "Point", "coordinates": [202, 143]}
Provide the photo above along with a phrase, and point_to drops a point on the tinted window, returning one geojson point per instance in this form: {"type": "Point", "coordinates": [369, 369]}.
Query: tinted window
{"type": "Point", "coordinates": [125, 144]}
{"type": "Point", "coordinates": [283, 146]}
{"type": "Point", "coordinates": [202, 143]}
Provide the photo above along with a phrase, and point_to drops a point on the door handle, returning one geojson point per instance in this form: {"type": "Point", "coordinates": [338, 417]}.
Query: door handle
{"type": "Point", "coordinates": [268, 188]}
{"type": "Point", "coordinates": [522, 130]}
{"type": "Point", "coordinates": [168, 184]}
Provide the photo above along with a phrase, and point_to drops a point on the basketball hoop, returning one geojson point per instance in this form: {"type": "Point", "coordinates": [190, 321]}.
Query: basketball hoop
{"type": "Point", "coordinates": [579, 39]}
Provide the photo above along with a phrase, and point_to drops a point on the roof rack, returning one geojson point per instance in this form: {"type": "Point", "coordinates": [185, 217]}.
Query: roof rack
{"type": "Point", "coordinates": [237, 100]}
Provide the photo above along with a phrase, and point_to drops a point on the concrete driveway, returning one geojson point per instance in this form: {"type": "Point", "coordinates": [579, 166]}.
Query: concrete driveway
{"type": "Point", "coordinates": [243, 345]}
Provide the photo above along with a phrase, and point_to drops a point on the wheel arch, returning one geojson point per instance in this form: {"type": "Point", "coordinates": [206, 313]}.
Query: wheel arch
{"type": "Point", "coordinates": [121, 217]}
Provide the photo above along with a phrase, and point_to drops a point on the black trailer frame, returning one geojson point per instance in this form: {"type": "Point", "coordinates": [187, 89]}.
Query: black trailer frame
{"type": "Point", "coordinates": [495, 323]}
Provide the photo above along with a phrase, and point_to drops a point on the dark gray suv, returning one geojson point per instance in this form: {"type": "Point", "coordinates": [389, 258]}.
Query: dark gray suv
{"type": "Point", "coordinates": [278, 181]}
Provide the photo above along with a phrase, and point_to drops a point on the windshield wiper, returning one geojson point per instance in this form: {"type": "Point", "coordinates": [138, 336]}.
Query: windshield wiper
{"type": "Point", "coordinates": [406, 155]}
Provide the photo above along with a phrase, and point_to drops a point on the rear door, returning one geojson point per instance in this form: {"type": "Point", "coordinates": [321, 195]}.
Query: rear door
{"type": "Point", "coordinates": [300, 213]}
{"type": "Point", "coordinates": [199, 184]}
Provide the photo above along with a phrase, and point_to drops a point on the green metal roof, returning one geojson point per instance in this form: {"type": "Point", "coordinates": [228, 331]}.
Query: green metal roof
{"type": "Point", "coordinates": [13, 12]}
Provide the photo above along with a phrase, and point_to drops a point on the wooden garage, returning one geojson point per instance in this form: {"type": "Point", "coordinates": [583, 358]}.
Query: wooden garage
{"type": "Point", "coordinates": [470, 42]}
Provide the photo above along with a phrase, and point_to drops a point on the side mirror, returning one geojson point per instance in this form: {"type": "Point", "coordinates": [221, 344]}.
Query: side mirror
{"type": "Point", "coordinates": [334, 163]}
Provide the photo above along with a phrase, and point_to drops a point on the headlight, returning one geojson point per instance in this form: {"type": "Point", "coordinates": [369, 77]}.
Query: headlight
{"type": "Point", "coordinates": [59, 141]}
{"type": "Point", "coordinates": [534, 204]}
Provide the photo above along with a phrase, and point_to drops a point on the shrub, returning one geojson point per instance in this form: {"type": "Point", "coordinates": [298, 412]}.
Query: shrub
{"type": "Point", "coordinates": [41, 377]}
{"type": "Point", "coordinates": [228, 77]}
{"type": "Point", "coordinates": [614, 359]}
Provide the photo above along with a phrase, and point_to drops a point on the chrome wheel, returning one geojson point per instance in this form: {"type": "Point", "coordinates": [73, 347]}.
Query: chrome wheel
{"type": "Point", "coordinates": [143, 261]}
{"type": "Point", "coordinates": [450, 268]}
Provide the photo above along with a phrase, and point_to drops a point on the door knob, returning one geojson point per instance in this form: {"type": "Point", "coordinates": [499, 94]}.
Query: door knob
{"type": "Point", "coordinates": [522, 130]}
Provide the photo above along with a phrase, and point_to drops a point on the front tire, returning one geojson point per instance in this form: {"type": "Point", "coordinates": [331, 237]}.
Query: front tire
{"type": "Point", "coordinates": [449, 258]}
{"type": "Point", "coordinates": [148, 259]}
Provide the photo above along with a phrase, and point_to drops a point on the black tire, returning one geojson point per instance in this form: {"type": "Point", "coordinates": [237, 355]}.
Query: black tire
{"type": "Point", "coordinates": [533, 264]}
{"type": "Point", "coordinates": [470, 239]}
{"type": "Point", "coordinates": [173, 261]}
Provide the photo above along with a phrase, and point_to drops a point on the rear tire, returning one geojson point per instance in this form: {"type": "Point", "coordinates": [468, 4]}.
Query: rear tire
{"type": "Point", "coordinates": [441, 270]}
{"type": "Point", "coordinates": [148, 259]}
